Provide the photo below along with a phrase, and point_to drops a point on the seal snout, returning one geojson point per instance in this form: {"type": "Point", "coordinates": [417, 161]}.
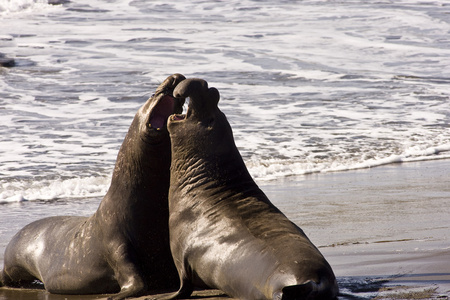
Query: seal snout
{"type": "Point", "coordinates": [203, 100]}
{"type": "Point", "coordinates": [166, 103]}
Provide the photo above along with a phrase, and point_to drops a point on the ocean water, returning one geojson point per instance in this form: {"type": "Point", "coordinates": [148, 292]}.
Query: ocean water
{"type": "Point", "coordinates": [308, 87]}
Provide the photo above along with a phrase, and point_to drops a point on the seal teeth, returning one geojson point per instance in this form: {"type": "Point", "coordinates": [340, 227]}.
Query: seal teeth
{"type": "Point", "coordinates": [177, 117]}
{"type": "Point", "coordinates": [157, 128]}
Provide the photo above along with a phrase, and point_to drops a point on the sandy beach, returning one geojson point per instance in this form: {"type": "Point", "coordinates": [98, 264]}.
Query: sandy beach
{"type": "Point", "coordinates": [384, 230]}
{"type": "Point", "coordinates": [405, 242]}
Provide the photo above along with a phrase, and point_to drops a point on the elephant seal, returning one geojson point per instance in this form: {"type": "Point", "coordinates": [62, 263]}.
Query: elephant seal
{"type": "Point", "coordinates": [124, 246]}
{"type": "Point", "coordinates": [224, 231]}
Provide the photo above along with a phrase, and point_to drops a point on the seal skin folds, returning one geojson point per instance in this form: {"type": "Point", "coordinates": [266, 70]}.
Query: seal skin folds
{"type": "Point", "coordinates": [224, 231]}
{"type": "Point", "coordinates": [124, 247]}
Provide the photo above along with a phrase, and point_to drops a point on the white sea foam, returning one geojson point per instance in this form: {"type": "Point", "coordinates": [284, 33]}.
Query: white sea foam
{"type": "Point", "coordinates": [271, 169]}
{"type": "Point", "coordinates": [24, 6]}
{"type": "Point", "coordinates": [325, 87]}
{"type": "Point", "coordinates": [20, 191]}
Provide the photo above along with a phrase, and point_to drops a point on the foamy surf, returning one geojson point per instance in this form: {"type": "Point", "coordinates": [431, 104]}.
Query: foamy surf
{"type": "Point", "coordinates": [324, 88]}
{"type": "Point", "coordinates": [25, 6]}
{"type": "Point", "coordinates": [272, 169]}
{"type": "Point", "coordinates": [262, 170]}
{"type": "Point", "coordinates": [30, 190]}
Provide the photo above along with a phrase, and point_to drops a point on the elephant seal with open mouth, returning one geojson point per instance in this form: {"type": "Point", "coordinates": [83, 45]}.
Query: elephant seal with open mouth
{"type": "Point", "coordinates": [124, 247]}
{"type": "Point", "coordinates": [224, 231]}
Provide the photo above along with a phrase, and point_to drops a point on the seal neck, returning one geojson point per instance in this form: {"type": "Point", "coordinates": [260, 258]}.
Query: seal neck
{"type": "Point", "coordinates": [140, 180]}
{"type": "Point", "coordinates": [225, 174]}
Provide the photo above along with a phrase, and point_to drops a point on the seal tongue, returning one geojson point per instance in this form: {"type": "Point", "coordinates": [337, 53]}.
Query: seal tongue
{"type": "Point", "coordinates": [162, 111]}
{"type": "Point", "coordinates": [157, 121]}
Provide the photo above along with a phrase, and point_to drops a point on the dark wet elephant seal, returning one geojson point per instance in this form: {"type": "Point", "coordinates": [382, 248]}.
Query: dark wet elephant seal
{"type": "Point", "coordinates": [124, 247]}
{"type": "Point", "coordinates": [224, 231]}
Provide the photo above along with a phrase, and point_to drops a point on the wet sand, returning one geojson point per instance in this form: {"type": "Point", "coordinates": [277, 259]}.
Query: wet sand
{"type": "Point", "coordinates": [385, 231]}
{"type": "Point", "coordinates": [408, 248]}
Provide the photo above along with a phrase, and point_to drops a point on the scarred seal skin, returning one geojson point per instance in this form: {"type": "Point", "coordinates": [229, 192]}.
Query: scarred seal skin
{"type": "Point", "coordinates": [224, 231]}
{"type": "Point", "coordinates": [124, 247]}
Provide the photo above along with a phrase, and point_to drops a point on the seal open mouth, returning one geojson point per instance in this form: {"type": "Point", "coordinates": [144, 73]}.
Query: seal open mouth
{"type": "Point", "coordinates": [178, 117]}
{"type": "Point", "coordinates": [162, 104]}
{"type": "Point", "coordinates": [161, 112]}
{"type": "Point", "coordinates": [181, 117]}
{"type": "Point", "coordinates": [202, 101]}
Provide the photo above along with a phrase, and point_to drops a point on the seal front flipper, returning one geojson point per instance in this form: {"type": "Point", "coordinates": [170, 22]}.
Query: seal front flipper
{"type": "Point", "coordinates": [127, 271]}
{"type": "Point", "coordinates": [126, 292]}
{"type": "Point", "coordinates": [184, 292]}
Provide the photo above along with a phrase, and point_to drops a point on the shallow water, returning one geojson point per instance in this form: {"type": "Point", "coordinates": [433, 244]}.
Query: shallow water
{"type": "Point", "coordinates": [309, 87]}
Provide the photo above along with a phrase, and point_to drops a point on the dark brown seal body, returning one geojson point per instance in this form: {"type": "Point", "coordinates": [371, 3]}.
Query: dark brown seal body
{"type": "Point", "coordinates": [224, 231]}
{"type": "Point", "coordinates": [124, 247]}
